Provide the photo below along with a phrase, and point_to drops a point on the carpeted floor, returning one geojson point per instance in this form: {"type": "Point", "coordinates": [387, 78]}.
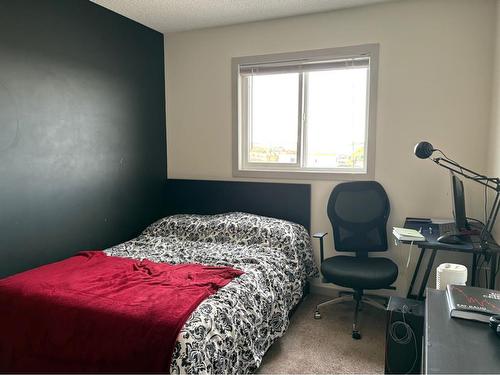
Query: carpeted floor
{"type": "Point", "coordinates": [325, 346]}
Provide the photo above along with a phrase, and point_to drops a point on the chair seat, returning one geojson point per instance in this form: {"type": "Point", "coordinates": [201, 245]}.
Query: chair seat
{"type": "Point", "coordinates": [359, 273]}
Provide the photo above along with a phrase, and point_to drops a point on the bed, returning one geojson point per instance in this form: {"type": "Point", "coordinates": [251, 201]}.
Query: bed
{"type": "Point", "coordinates": [230, 331]}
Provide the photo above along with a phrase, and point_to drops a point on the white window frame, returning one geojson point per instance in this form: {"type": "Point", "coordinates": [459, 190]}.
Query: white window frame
{"type": "Point", "coordinates": [241, 167]}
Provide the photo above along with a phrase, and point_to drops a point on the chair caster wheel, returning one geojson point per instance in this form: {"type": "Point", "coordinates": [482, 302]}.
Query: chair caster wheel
{"type": "Point", "coordinates": [317, 315]}
{"type": "Point", "coordinates": [356, 335]}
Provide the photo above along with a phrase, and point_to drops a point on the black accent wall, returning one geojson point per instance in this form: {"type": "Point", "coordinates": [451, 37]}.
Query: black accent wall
{"type": "Point", "coordinates": [82, 129]}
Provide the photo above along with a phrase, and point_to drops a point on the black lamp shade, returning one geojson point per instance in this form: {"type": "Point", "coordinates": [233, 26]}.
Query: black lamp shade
{"type": "Point", "coordinates": [423, 150]}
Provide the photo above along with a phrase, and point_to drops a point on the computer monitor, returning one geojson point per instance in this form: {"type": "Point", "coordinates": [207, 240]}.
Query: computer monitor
{"type": "Point", "coordinates": [457, 188]}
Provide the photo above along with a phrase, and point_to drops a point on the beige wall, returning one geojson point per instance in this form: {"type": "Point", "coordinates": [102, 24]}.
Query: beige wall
{"type": "Point", "coordinates": [493, 159]}
{"type": "Point", "coordinates": [436, 66]}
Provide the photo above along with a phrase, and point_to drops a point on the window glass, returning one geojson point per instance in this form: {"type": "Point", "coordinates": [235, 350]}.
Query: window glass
{"type": "Point", "coordinates": [336, 118]}
{"type": "Point", "coordinates": [273, 104]}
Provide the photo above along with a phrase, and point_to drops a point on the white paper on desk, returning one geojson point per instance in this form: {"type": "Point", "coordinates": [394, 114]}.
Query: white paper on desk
{"type": "Point", "coordinates": [442, 221]}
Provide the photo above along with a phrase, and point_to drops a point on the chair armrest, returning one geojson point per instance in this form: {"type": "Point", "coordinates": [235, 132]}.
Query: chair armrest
{"type": "Point", "coordinates": [320, 235]}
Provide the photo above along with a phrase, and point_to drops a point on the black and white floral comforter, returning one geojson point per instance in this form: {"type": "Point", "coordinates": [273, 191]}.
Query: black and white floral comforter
{"type": "Point", "coordinates": [231, 330]}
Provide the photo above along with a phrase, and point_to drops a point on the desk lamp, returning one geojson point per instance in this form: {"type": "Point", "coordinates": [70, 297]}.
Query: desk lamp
{"type": "Point", "coordinates": [424, 150]}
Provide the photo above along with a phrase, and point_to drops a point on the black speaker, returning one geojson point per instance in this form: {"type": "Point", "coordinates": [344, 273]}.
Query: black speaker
{"type": "Point", "coordinates": [404, 334]}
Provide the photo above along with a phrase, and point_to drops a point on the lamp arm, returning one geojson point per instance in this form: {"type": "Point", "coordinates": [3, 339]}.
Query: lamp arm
{"type": "Point", "coordinates": [490, 182]}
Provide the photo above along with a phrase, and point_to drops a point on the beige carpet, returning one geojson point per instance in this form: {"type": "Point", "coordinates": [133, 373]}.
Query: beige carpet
{"type": "Point", "coordinates": [325, 346]}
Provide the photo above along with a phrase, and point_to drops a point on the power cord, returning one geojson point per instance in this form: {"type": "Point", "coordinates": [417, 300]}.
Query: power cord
{"type": "Point", "coordinates": [476, 220]}
{"type": "Point", "coordinates": [409, 255]}
{"type": "Point", "coordinates": [409, 252]}
{"type": "Point", "coordinates": [405, 338]}
{"type": "Point", "coordinates": [478, 266]}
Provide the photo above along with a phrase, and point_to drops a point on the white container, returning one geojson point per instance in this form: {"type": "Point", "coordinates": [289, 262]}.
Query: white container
{"type": "Point", "coordinates": [450, 273]}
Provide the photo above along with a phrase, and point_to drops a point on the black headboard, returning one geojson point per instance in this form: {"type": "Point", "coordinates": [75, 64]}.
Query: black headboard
{"type": "Point", "coordinates": [283, 201]}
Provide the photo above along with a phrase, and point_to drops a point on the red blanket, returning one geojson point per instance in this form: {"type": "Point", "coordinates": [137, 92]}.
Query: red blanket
{"type": "Point", "coordinates": [94, 312]}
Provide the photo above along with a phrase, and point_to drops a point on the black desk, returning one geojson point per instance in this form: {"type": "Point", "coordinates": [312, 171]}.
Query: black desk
{"type": "Point", "coordinates": [471, 246]}
{"type": "Point", "coordinates": [457, 345]}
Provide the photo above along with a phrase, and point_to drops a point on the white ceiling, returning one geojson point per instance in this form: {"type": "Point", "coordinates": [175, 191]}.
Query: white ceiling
{"type": "Point", "coordinates": [178, 15]}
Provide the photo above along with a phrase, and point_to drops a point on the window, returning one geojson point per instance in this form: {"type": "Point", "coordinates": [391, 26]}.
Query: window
{"type": "Point", "coordinates": [306, 114]}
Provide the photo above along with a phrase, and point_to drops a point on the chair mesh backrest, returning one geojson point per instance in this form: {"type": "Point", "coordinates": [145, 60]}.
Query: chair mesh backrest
{"type": "Point", "coordinates": [358, 212]}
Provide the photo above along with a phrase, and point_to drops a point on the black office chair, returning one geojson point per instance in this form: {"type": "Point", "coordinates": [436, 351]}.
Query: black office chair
{"type": "Point", "coordinates": [358, 212]}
